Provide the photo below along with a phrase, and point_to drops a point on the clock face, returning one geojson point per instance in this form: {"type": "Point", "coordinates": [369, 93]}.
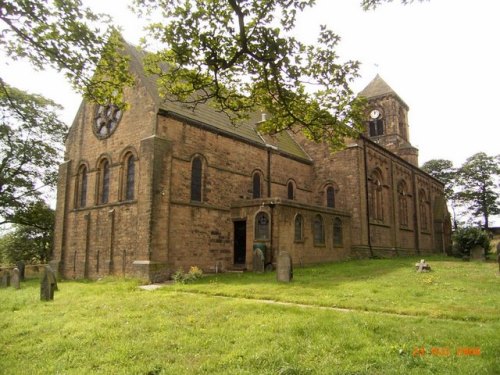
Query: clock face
{"type": "Point", "coordinates": [375, 114]}
{"type": "Point", "coordinates": [106, 119]}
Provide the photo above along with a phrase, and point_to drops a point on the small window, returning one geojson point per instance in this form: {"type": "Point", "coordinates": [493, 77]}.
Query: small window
{"type": "Point", "coordinates": [256, 186]}
{"type": "Point", "coordinates": [262, 226]}
{"type": "Point", "coordinates": [337, 232]}
{"type": "Point", "coordinates": [130, 178]}
{"type": "Point", "coordinates": [81, 187]}
{"type": "Point", "coordinates": [376, 127]}
{"type": "Point", "coordinates": [330, 197]}
{"type": "Point", "coordinates": [299, 225]}
{"type": "Point", "coordinates": [319, 230]}
{"type": "Point", "coordinates": [196, 177]}
{"type": "Point", "coordinates": [104, 196]}
{"type": "Point", "coordinates": [290, 190]}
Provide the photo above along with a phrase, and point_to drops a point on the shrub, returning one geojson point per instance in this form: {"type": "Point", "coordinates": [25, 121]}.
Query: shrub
{"type": "Point", "coordinates": [182, 278]}
{"type": "Point", "coordinates": [466, 238]}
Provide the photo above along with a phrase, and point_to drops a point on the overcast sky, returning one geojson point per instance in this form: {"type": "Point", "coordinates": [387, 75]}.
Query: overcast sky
{"type": "Point", "coordinates": [442, 57]}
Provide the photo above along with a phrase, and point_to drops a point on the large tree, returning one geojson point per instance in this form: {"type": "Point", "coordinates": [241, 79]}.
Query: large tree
{"type": "Point", "coordinates": [241, 56]}
{"type": "Point", "coordinates": [444, 171]}
{"type": "Point", "coordinates": [479, 188]}
{"type": "Point", "coordinates": [31, 240]}
{"type": "Point", "coordinates": [31, 139]}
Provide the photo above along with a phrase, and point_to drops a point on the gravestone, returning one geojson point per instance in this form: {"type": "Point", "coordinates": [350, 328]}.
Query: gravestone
{"type": "Point", "coordinates": [5, 279]}
{"type": "Point", "coordinates": [477, 253]}
{"type": "Point", "coordinates": [422, 266]}
{"type": "Point", "coordinates": [16, 279]}
{"type": "Point", "coordinates": [48, 284]}
{"type": "Point", "coordinates": [284, 271]}
{"type": "Point", "coordinates": [21, 267]}
{"type": "Point", "coordinates": [258, 261]}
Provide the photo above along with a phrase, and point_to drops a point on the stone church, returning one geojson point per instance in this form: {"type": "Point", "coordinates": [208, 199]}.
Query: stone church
{"type": "Point", "coordinates": [159, 187]}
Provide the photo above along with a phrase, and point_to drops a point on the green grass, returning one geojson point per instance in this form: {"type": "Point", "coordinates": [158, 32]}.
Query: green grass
{"type": "Point", "coordinates": [112, 327]}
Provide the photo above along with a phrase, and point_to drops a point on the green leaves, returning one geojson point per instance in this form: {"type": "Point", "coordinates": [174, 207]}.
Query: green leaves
{"type": "Point", "coordinates": [31, 140]}
{"type": "Point", "coordinates": [70, 38]}
{"type": "Point", "coordinates": [240, 56]}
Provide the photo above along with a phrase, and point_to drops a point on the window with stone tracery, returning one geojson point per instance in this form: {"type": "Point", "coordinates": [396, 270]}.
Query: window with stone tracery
{"type": "Point", "coordinates": [376, 202]}
{"type": "Point", "coordinates": [403, 203]}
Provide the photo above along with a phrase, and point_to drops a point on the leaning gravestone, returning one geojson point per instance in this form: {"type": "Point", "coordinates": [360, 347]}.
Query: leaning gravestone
{"type": "Point", "coordinates": [284, 270]}
{"type": "Point", "coordinates": [15, 279]}
{"type": "Point", "coordinates": [21, 267]}
{"type": "Point", "coordinates": [5, 279]}
{"type": "Point", "coordinates": [258, 261]}
{"type": "Point", "coordinates": [48, 284]}
{"type": "Point", "coordinates": [477, 253]}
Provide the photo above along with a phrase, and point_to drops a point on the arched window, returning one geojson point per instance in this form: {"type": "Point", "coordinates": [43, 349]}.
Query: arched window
{"type": "Point", "coordinates": [104, 182]}
{"type": "Point", "coordinates": [256, 186]}
{"type": "Point", "coordinates": [376, 196]}
{"type": "Point", "coordinates": [262, 226]}
{"type": "Point", "coordinates": [403, 203]}
{"type": "Point", "coordinates": [299, 228]}
{"type": "Point", "coordinates": [196, 178]}
{"type": "Point", "coordinates": [291, 192]}
{"type": "Point", "coordinates": [319, 230]}
{"type": "Point", "coordinates": [330, 197]}
{"type": "Point", "coordinates": [130, 177]}
{"type": "Point", "coordinates": [422, 199]}
{"type": "Point", "coordinates": [337, 232]}
{"type": "Point", "coordinates": [81, 187]}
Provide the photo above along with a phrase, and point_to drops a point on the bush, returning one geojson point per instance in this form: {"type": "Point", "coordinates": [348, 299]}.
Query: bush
{"type": "Point", "coordinates": [183, 278]}
{"type": "Point", "coordinates": [465, 239]}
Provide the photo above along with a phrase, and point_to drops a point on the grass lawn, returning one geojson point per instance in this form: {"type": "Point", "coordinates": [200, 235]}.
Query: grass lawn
{"type": "Point", "coordinates": [401, 322]}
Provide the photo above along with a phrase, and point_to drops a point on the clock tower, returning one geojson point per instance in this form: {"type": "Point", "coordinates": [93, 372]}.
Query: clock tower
{"type": "Point", "coordinates": [387, 120]}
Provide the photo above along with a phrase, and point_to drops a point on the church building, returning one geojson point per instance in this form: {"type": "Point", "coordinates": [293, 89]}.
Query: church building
{"type": "Point", "coordinates": [159, 187]}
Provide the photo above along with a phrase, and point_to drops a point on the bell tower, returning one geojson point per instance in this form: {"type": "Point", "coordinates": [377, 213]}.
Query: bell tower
{"type": "Point", "coordinates": [387, 120]}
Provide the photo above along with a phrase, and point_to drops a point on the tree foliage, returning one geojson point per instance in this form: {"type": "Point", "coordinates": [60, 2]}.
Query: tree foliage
{"type": "Point", "coordinates": [31, 139]}
{"type": "Point", "coordinates": [241, 56]}
{"type": "Point", "coordinates": [444, 171]}
{"type": "Point", "coordinates": [466, 238]}
{"type": "Point", "coordinates": [478, 179]}
{"type": "Point", "coordinates": [70, 38]}
{"type": "Point", "coordinates": [372, 4]}
{"type": "Point", "coordinates": [31, 243]}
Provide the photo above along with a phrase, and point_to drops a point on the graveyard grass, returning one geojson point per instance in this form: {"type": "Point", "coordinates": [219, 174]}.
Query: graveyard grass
{"type": "Point", "coordinates": [443, 322]}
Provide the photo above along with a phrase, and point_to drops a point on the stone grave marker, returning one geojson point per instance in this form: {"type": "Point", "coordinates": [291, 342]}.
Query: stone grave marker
{"type": "Point", "coordinates": [258, 261]}
{"type": "Point", "coordinates": [5, 279]}
{"type": "Point", "coordinates": [284, 271]}
{"type": "Point", "coordinates": [15, 280]}
{"type": "Point", "coordinates": [21, 267]}
{"type": "Point", "coordinates": [48, 284]}
{"type": "Point", "coordinates": [477, 253]}
{"type": "Point", "coordinates": [422, 266]}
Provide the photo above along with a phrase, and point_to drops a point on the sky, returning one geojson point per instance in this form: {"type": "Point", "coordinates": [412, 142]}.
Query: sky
{"type": "Point", "coordinates": [442, 57]}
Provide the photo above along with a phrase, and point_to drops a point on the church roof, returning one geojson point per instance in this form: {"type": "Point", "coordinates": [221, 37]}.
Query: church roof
{"type": "Point", "coordinates": [378, 88]}
{"type": "Point", "coordinates": [208, 117]}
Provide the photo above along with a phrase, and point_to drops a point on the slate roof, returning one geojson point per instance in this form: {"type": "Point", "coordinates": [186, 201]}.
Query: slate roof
{"type": "Point", "coordinates": [210, 118]}
{"type": "Point", "coordinates": [378, 88]}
